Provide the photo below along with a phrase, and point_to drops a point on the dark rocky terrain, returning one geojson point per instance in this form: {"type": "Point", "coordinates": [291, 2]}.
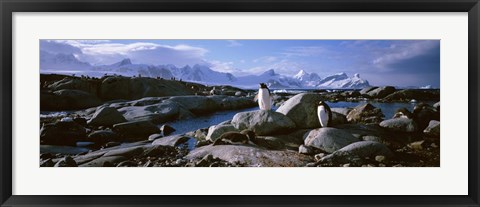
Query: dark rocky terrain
{"type": "Point", "coordinates": [123, 120]}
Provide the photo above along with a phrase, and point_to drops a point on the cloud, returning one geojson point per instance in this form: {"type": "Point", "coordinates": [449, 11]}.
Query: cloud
{"type": "Point", "coordinates": [284, 67]}
{"type": "Point", "coordinates": [303, 51]}
{"type": "Point", "coordinates": [233, 43]}
{"type": "Point", "coordinates": [220, 66]}
{"type": "Point", "coordinates": [401, 51]}
{"type": "Point", "coordinates": [265, 59]}
{"type": "Point", "coordinates": [106, 52]}
{"type": "Point", "coordinates": [55, 47]}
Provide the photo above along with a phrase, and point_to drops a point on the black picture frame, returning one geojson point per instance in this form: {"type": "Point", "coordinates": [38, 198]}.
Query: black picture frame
{"type": "Point", "coordinates": [7, 8]}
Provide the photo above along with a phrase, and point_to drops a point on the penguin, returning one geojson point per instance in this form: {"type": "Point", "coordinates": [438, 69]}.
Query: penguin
{"type": "Point", "coordinates": [264, 97]}
{"type": "Point", "coordinates": [324, 114]}
{"type": "Point", "coordinates": [403, 113]}
{"type": "Point", "coordinates": [244, 137]}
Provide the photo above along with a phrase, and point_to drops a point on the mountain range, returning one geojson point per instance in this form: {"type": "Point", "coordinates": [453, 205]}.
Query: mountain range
{"type": "Point", "coordinates": [68, 63]}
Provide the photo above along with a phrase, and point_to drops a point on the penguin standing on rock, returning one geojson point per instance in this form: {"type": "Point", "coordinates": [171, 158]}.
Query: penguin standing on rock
{"type": "Point", "coordinates": [264, 97]}
{"type": "Point", "coordinates": [324, 114]}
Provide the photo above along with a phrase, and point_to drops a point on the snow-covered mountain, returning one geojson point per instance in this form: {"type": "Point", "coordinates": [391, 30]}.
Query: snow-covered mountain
{"type": "Point", "coordinates": [341, 80]}
{"type": "Point", "coordinates": [199, 73]}
{"type": "Point", "coordinates": [307, 79]}
{"type": "Point", "coordinates": [61, 61]}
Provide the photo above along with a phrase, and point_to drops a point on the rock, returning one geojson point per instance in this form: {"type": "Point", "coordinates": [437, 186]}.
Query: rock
{"type": "Point", "coordinates": [74, 84]}
{"type": "Point", "coordinates": [365, 113]}
{"type": "Point", "coordinates": [356, 152]}
{"type": "Point", "coordinates": [263, 122]}
{"type": "Point", "coordinates": [230, 103]}
{"type": "Point", "coordinates": [418, 145]}
{"type": "Point", "coordinates": [214, 132]}
{"type": "Point", "coordinates": [437, 106]}
{"type": "Point", "coordinates": [433, 129]}
{"type": "Point", "coordinates": [67, 161]}
{"type": "Point", "coordinates": [173, 140]}
{"type": "Point", "coordinates": [409, 94]}
{"type": "Point", "coordinates": [104, 161]}
{"type": "Point", "coordinates": [81, 121]}
{"type": "Point", "coordinates": [329, 139]}
{"type": "Point", "coordinates": [62, 133]}
{"type": "Point", "coordinates": [306, 150]}
{"type": "Point", "coordinates": [196, 104]}
{"type": "Point", "coordinates": [127, 164]}
{"type": "Point", "coordinates": [424, 114]}
{"type": "Point", "coordinates": [319, 156]}
{"type": "Point", "coordinates": [47, 163]}
{"type": "Point", "coordinates": [157, 113]}
{"type": "Point", "coordinates": [166, 129]}
{"type": "Point", "coordinates": [399, 124]}
{"type": "Point", "coordinates": [67, 99]}
{"type": "Point", "coordinates": [338, 119]}
{"type": "Point", "coordinates": [136, 130]}
{"type": "Point", "coordinates": [154, 137]}
{"type": "Point", "coordinates": [112, 144]}
{"type": "Point", "coordinates": [343, 111]}
{"type": "Point", "coordinates": [106, 116]}
{"type": "Point", "coordinates": [117, 87]}
{"type": "Point", "coordinates": [242, 154]}
{"type": "Point", "coordinates": [125, 152]}
{"type": "Point", "coordinates": [381, 92]}
{"type": "Point", "coordinates": [271, 143]}
{"type": "Point", "coordinates": [367, 89]}
{"type": "Point", "coordinates": [380, 158]}
{"type": "Point", "coordinates": [103, 136]}
{"type": "Point", "coordinates": [302, 110]}
{"type": "Point", "coordinates": [239, 93]}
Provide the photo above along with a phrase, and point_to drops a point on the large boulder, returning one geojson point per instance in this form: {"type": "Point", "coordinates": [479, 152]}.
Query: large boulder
{"type": "Point", "coordinates": [263, 122]}
{"type": "Point", "coordinates": [116, 87]}
{"type": "Point", "coordinates": [302, 109]}
{"type": "Point", "coordinates": [343, 111]}
{"type": "Point", "coordinates": [338, 119]}
{"type": "Point", "coordinates": [365, 113]}
{"type": "Point", "coordinates": [356, 152]}
{"type": "Point", "coordinates": [409, 94]}
{"type": "Point", "coordinates": [251, 156]}
{"type": "Point", "coordinates": [67, 99]}
{"type": "Point", "coordinates": [196, 104]}
{"type": "Point", "coordinates": [214, 132]}
{"type": "Point", "coordinates": [62, 133]}
{"type": "Point", "coordinates": [136, 130]}
{"type": "Point", "coordinates": [103, 136]}
{"type": "Point", "coordinates": [433, 129]}
{"type": "Point", "coordinates": [156, 113]}
{"type": "Point", "coordinates": [367, 89]}
{"type": "Point", "coordinates": [329, 139]}
{"type": "Point", "coordinates": [381, 92]}
{"type": "Point", "coordinates": [88, 86]}
{"type": "Point", "coordinates": [399, 124]}
{"type": "Point", "coordinates": [173, 140]}
{"type": "Point", "coordinates": [230, 102]}
{"type": "Point", "coordinates": [106, 116]}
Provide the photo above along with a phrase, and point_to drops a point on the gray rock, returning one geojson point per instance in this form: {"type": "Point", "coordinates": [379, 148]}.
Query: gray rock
{"type": "Point", "coordinates": [357, 151]}
{"type": "Point", "coordinates": [173, 140]}
{"type": "Point", "coordinates": [306, 150]}
{"type": "Point", "coordinates": [367, 89]}
{"type": "Point", "coordinates": [167, 129]}
{"type": "Point", "coordinates": [214, 132]}
{"type": "Point", "coordinates": [381, 92]}
{"type": "Point", "coordinates": [399, 124]}
{"type": "Point", "coordinates": [125, 152]}
{"type": "Point", "coordinates": [437, 106]}
{"type": "Point", "coordinates": [329, 139]}
{"type": "Point", "coordinates": [67, 99]}
{"type": "Point", "coordinates": [62, 133]}
{"type": "Point", "coordinates": [103, 136]}
{"type": "Point", "coordinates": [106, 116]}
{"type": "Point", "coordinates": [302, 110]}
{"type": "Point", "coordinates": [230, 102]}
{"type": "Point", "coordinates": [343, 111]}
{"type": "Point", "coordinates": [239, 93]}
{"type": "Point", "coordinates": [338, 119]}
{"type": "Point", "coordinates": [196, 104]}
{"type": "Point", "coordinates": [365, 113]}
{"type": "Point", "coordinates": [47, 163]}
{"type": "Point", "coordinates": [157, 113]}
{"type": "Point", "coordinates": [263, 122]}
{"type": "Point", "coordinates": [433, 129]}
{"type": "Point", "coordinates": [67, 161]}
{"type": "Point", "coordinates": [154, 137]}
{"type": "Point", "coordinates": [243, 154]}
{"type": "Point", "coordinates": [136, 130]}
{"type": "Point", "coordinates": [104, 162]}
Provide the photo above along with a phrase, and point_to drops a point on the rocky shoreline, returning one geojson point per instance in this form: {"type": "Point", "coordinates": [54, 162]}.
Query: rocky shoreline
{"type": "Point", "coordinates": [123, 120]}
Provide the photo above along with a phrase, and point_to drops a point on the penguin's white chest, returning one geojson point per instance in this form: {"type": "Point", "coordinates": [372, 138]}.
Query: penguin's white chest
{"type": "Point", "coordinates": [264, 101]}
{"type": "Point", "coordinates": [322, 116]}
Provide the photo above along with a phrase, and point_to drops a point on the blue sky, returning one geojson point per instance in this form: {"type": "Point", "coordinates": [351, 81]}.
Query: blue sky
{"type": "Point", "coordinates": [382, 62]}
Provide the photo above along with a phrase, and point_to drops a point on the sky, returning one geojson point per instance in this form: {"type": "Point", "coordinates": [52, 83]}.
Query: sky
{"type": "Point", "coordinates": [381, 62]}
